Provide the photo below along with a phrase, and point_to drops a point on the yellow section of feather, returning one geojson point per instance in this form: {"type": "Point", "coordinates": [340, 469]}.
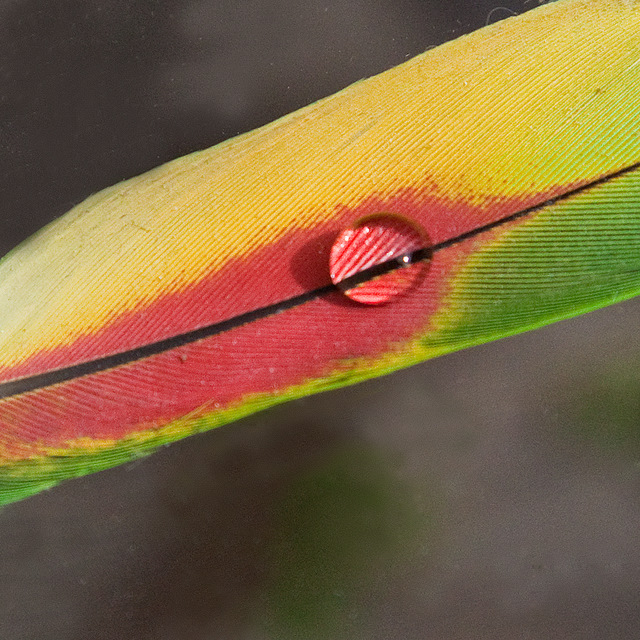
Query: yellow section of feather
{"type": "Point", "coordinates": [546, 99]}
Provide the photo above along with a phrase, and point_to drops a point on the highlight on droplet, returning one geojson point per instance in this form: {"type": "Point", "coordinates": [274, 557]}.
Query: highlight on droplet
{"type": "Point", "coordinates": [372, 241]}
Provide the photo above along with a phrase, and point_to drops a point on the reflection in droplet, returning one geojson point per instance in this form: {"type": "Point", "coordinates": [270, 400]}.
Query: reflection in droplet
{"type": "Point", "coordinates": [372, 241]}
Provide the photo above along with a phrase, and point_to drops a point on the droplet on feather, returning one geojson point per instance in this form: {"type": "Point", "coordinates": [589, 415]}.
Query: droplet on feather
{"type": "Point", "coordinates": [382, 239]}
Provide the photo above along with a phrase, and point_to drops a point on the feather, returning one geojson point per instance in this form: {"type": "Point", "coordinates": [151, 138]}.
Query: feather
{"type": "Point", "coordinates": [503, 168]}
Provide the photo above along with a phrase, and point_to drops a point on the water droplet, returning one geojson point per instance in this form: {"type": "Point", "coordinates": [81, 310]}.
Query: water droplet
{"type": "Point", "coordinates": [382, 239]}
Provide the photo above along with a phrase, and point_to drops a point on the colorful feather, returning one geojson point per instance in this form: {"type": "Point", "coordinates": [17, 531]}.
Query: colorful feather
{"type": "Point", "coordinates": [200, 292]}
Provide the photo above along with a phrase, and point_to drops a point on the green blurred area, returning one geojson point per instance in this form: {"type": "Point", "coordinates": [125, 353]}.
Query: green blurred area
{"type": "Point", "coordinates": [603, 408]}
{"type": "Point", "coordinates": [339, 527]}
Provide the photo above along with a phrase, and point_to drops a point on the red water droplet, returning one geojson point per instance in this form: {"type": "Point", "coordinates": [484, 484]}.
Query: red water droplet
{"type": "Point", "coordinates": [370, 242]}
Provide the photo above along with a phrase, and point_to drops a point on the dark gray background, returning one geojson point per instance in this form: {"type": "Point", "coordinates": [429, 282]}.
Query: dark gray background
{"type": "Point", "coordinates": [493, 493]}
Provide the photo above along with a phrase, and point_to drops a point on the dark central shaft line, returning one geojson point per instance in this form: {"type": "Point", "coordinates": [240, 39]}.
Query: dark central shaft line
{"type": "Point", "coordinates": [56, 376]}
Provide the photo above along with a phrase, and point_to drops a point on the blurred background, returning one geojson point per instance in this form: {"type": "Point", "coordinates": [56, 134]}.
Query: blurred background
{"type": "Point", "coordinates": [493, 493]}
